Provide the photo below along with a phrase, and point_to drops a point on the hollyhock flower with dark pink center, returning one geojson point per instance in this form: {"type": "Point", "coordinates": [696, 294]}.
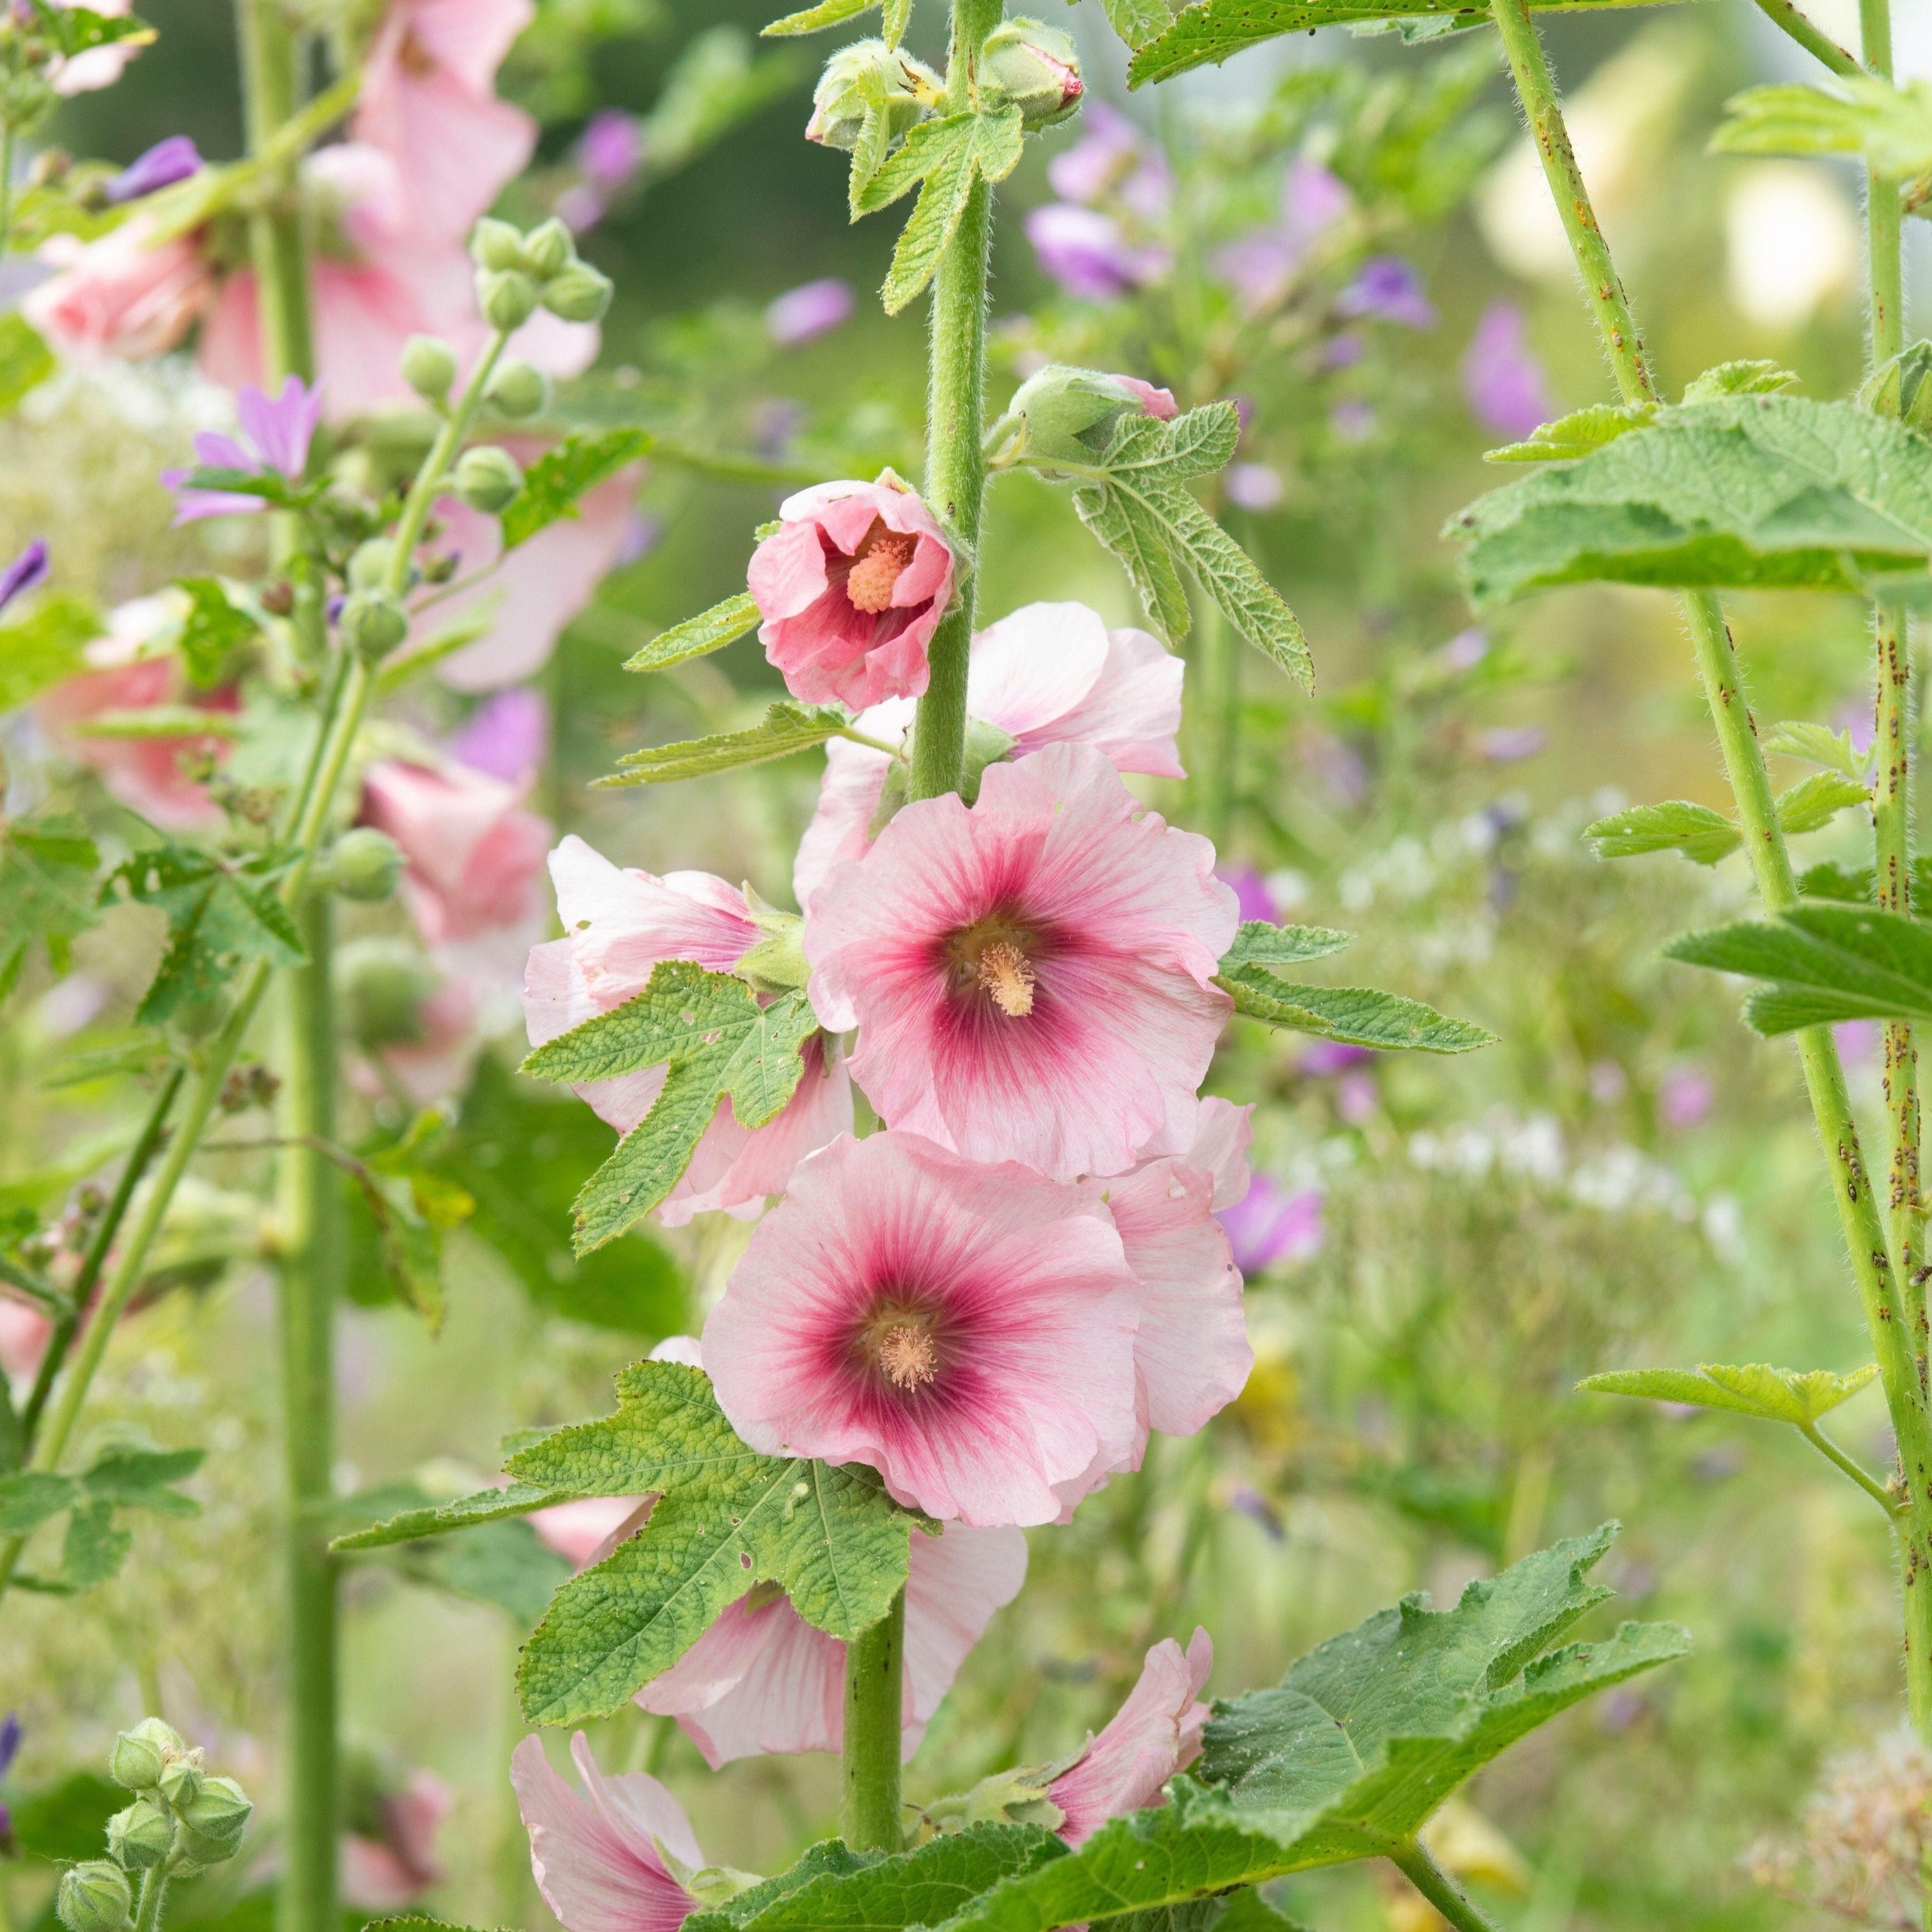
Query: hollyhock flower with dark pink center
{"type": "Point", "coordinates": [599, 1858]}
{"type": "Point", "coordinates": [966, 1330]}
{"type": "Point", "coordinates": [618, 924]}
{"type": "Point", "coordinates": [1156, 1733]}
{"type": "Point", "coordinates": [851, 587]}
{"type": "Point", "coordinates": [1031, 976]}
{"type": "Point", "coordinates": [1048, 674]}
{"type": "Point", "coordinates": [1503, 379]}
{"type": "Point", "coordinates": [276, 431]}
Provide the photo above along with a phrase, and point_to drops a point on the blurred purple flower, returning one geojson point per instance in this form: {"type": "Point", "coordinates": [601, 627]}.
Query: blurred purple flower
{"type": "Point", "coordinates": [9, 1746]}
{"type": "Point", "coordinates": [1608, 1083]}
{"type": "Point", "coordinates": [1465, 650]}
{"type": "Point", "coordinates": [580, 207]}
{"type": "Point", "coordinates": [1684, 1098]}
{"type": "Point", "coordinates": [1252, 1504]}
{"type": "Point", "coordinates": [1858, 720]}
{"type": "Point", "coordinates": [812, 309]}
{"type": "Point", "coordinates": [505, 737]}
{"type": "Point", "coordinates": [1858, 1040]}
{"type": "Point", "coordinates": [611, 149]}
{"type": "Point", "coordinates": [1509, 743]}
{"type": "Point", "coordinates": [1269, 1225]}
{"type": "Point", "coordinates": [1503, 380]}
{"type": "Point", "coordinates": [1322, 1058]}
{"type": "Point", "coordinates": [642, 535]}
{"type": "Point", "coordinates": [1388, 288]}
{"type": "Point", "coordinates": [1357, 1098]}
{"type": "Point", "coordinates": [1337, 763]}
{"type": "Point", "coordinates": [22, 574]}
{"type": "Point", "coordinates": [275, 435]}
{"type": "Point", "coordinates": [1110, 148]}
{"type": "Point", "coordinates": [1086, 253]}
{"type": "Point", "coordinates": [165, 163]}
{"type": "Point", "coordinates": [1251, 892]}
{"type": "Point", "coordinates": [1352, 420]}
{"type": "Point", "coordinates": [1345, 350]}
{"type": "Point", "coordinates": [1254, 486]}
{"type": "Point", "coordinates": [779, 419]}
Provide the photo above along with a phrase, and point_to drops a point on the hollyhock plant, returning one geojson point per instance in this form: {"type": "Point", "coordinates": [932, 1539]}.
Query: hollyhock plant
{"type": "Point", "coordinates": [599, 1857]}
{"type": "Point", "coordinates": [125, 295]}
{"type": "Point", "coordinates": [851, 587]}
{"type": "Point", "coordinates": [1031, 976]}
{"type": "Point", "coordinates": [618, 925]}
{"type": "Point", "coordinates": [586, 1532]}
{"type": "Point", "coordinates": [966, 1330]}
{"type": "Point", "coordinates": [1049, 673]}
{"type": "Point", "coordinates": [762, 1679]}
{"type": "Point", "coordinates": [94, 68]}
{"type": "Point", "coordinates": [276, 432]}
{"type": "Point", "coordinates": [1156, 1733]}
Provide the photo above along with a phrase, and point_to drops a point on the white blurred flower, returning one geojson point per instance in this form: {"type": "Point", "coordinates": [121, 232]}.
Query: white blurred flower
{"type": "Point", "coordinates": [1791, 239]}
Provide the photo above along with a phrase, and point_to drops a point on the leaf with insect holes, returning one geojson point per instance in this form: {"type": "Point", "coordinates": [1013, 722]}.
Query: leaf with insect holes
{"type": "Point", "coordinates": [1799, 1397]}
{"type": "Point", "coordinates": [786, 729]}
{"type": "Point", "coordinates": [1575, 434]}
{"type": "Point", "coordinates": [1891, 127]}
{"type": "Point", "coordinates": [553, 484]}
{"type": "Point", "coordinates": [1703, 835]}
{"type": "Point", "coordinates": [709, 631]}
{"type": "Point", "coordinates": [727, 1519]}
{"type": "Point", "coordinates": [1350, 1753]}
{"type": "Point", "coordinates": [1138, 22]}
{"type": "Point", "coordinates": [47, 886]}
{"type": "Point", "coordinates": [211, 631]}
{"type": "Point", "coordinates": [1754, 492]}
{"type": "Point", "coordinates": [218, 915]}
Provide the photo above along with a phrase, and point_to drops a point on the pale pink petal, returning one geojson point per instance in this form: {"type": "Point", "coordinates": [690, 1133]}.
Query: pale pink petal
{"type": "Point", "coordinates": [1133, 712]}
{"type": "Point", "coordinates": [685, 1348]}
{"type": "Point", "coordinates": [1012, 1294]}
{"type": "Point", "coordinates": [1223, 1136]}
{"type": "Point", "coordinates": [375, 1876]}
{"type": "Point", "coordinates": [586, 1532]}
{"type": "Point", "coordinates": [848, 799]}
{"type": "Point", "coordinates": [1156, 1733]}
{"type": "Point", "coordinates": [468, 38]}
{"type": "Point", "coordinates": [144, 774]}
{"type": "Point", "coordinates": [1035, 667]}
{"type": "Point", "coordinates": [24, 1334]}
{"type": "Point", "coordinates": [123, 296]}
{"type": "Point", "coordinates": [638, 1806]}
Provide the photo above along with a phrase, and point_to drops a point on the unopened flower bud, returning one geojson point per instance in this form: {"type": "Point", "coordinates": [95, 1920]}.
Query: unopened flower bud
{"type": "Point", "coordinates": [496, 245]}
{"type": "Point", "coordinates": [1903, 388]}
{"type": "Point", "coordinates": [507, 297]}
{"type": "Point", "coordinates": [1027, 65]}
{"type": "Point", "coordinates": [578, 293]}
{"type": "Point", "coordinates": [548, 249]}
{"type": "Point", "coordinates": [429, 366]}
{"type": "Point", "coordinates": [95, 1897]}
{"type": "Point", "coordinates": [518, 389]}
{"type": "Point", "coordinates": [487, 478]}
{"type": "Point", "coordinates": [181, 1779]}
{"type": "Point", "coordinates": [369, 564]}
{"type": "Point", "coordinates": [213, 1824]}
{"type": "Point", "coordinates": [373, 623]}
{"type": "Point", "coordinates": [856, 80]}
{"type": "Point", "coordinates": [204, 1018]}
{"type": "Point", "coordinates": [137, 1757]}
{"type": "Point", "coordinates": [141, 1836]}
{"type": "Point", "coordinates": [364, 864]}
{"type": "Point", "coordinates": [383, 984]}
{"type": "Point", "coordinates": [1064, 414]}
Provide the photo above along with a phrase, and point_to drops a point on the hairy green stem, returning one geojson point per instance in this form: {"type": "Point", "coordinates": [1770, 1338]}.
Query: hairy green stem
{"type": "Point", "coordinates": [874, 1675]}
{"type": "Point", "coordinates": [1415, 1865]}
{"type": "Point", "coordinates": [1860, 1218]}
{"type": "Point", "coordinates": [154, 1890]}
{"type": "Point", "coordinates": [1782, 15]}
{"type": "Point", "coordinates": [1846, 1465]}
{"type": "Point", "coordinates": [269, 90]}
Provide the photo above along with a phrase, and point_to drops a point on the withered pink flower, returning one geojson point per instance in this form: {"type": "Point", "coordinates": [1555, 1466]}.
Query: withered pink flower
{"type": "Point", "coordinates": [1031, 977]}
{"type": "Point", "coordinates": [851, 587]}
{"type": "Point", "coordinates": [618, 924]}
{"type": "Point", "coordinates": [1154, 1734]}
{"type": "Point", "coordinates": [599, 1858]}
{"type": "Point", "coordinates": [967, 1330]}
{"type": "Point", "coordinates": [1048, 674]}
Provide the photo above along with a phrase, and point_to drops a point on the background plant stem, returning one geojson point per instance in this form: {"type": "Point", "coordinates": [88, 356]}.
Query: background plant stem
{"type": "Point", "coordinates": [269, 91]}
{"type": "Point", "coordinates": [1859, 1217]}
{"type": "Point", "coordinates": [874, 1673]}
{"type": "Point", "coordinates": [1428, 1878]}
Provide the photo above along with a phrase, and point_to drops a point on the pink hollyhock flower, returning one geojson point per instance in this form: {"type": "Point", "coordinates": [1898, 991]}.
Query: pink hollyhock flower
{"type": "Point", "coordinates": [967, 1331]}
{"type": "Point", "coordinates": [121, 296]}
{"type": "Point", "coordinates": [1048, 674]}
{"type": "Point", "coordinates": [24, 1334]}
{"type": "Point", "coordinates": [453, 1023]}
{"type": "Point", "coordinates": [762, 1679]}
{"type": "Point", "coordinates": [599, 1858]}
{"type": "Point", "coordinates": [1031, 976]}
{"type": "Point", "coordinates": [618, 925]}
{"type": "Point", "coordinates": [474, 856]}
{"type": "Point", "coordinates": [383, 1872]}
{"type": "Point", "coordinates": [1156, 1733]}
{"type": "Point", "coordinates": [851, 587]}
{"type": "Point", "coordinates": [276, 431]}
{"type": "Point", "coordinates": [586, 1532]}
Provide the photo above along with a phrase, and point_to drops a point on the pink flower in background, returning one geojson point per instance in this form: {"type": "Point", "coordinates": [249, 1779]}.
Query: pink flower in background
{"type": "Point", "coordinates": [1508, 391]}
{"type": "Point", "coordinates": [1088, 253]}
{"type": "Point", "coordinates": [96, 67]}
{"type": "Point", "coordinates": [1112, 158]}
{"type": "Point", "coordinates": [1254, 486]}
{"type": "Point", "coordinates": [1684, 1097]}
{"type": "Point", "coordinates": [276, 431]}
{"type": "Point", "coordinates": [24, 1335]}
{"type": "Point", "coordinates": [586, 1532]}
{"type": "Point", "coordinates": [1259, 267]}
{"type": "Point", "coordinates": [811, 310]}
{"type": "Point", "coordinates": [453, 1021]}
{"type": "Point", "coordinates": [967, 1331]}
{"type": "Point", "coordinates": [1268, 1225]}
{"type": "Point", "coordinates": [851, 588]}
{"type": "Point", "coordinates": [383, 1872]}
{"type": "Point", "coordinates": [505, 736]}
{"type": "Point", "coordinates": [1508, 744]}
{"type": "Point", "coordinates": [1050, 673]}
{"type": "Point", "coordinates": [1156, 1733]}
{"type": "Point", "coordinates": [1859, 1042]}
{"type": "Point", "coordinates": [618, 924]}
{"type": "Point", "coordinates": [475, 855]}
{"type": "Point", "coordinates": [1031, 976]}
{"type": "Point", "coordinates": [1253, 898]}
{"type": "Point", "coordinates": [124, 295]}
{"type": "Point", "coordinates": [611, 149]}
{"type": "Point", "coordinates": [596, 1857]}
{"type": "Point", "coordinates": [1322, 1058]}
{"type": "Point", "coordinates": [762, 1679]}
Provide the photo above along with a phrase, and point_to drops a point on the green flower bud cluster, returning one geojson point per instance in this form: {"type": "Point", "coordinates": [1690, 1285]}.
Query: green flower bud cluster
{"type": "Point", "coordinates": [517, 273]}
{"type": "Point", "coordinates": [486, 478]}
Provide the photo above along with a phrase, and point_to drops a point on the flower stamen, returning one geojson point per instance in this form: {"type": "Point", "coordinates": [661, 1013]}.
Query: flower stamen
{"type": "Point", "coordinates": [877, 564]}
{"type": "Point", "coordinates": [1006, 974]}
{"type": "Point", "coordinates": [899, 1342]}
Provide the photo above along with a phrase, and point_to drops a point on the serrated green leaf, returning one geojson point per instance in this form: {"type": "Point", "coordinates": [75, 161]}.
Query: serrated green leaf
{"type": "Point", "coordinates": [47, 887]}
{"type": "Point", "coordinates": [211, 631]}
{"type": "Point", "coordinates": [727, 1518]}
{"type": "Point", "coordinates": [962, 148]}
{"type": "Point", "coordinates": [683, 1009]}
{"type": "Point", "coordinates": [1258, 943]}
{"type": "Point", "coordinates": [1350, 1754]}
{"type": "Point", "coordinates": [1772, 1395]}
{"type": "Point", "coordinates": [829, 1857]}
{"type": "Point", "coordinates": [1138, 22]}
{"type": "Point", "coordinates": [464, 1512]}
{"type": "Point", "coordinates": [1890, 126]}
{"type": "Point", "coordinates": [28, 1497]}
{"type": "Point", "coordinates": [504, 1564]}
{"type": "Point", "coordinates": [1815, 802]}
{"type": "Point", "coordinates": [1765, 492]}
{"type": "Point", "coordinates": [1576, 434]}
{"type": "Point", "coordinates": [710, 630]}
{"type": "Point", "coordinates": [1817, 745]}
{"type": "Point", "coordinates": [40, 649]}
{"type": "Point", "coordinates": [145, 1479]}
{"type": "Point", "coordinates": [25, 363]}
{"type": "Point", "coordinates": [74, 30]}
{"type": "Point", "coordinates": [1360, 1015]}
{"type": "Point", "coordinates": [814, 20]}
{"type": "Point", "coordinates": [94, 1548]}
{"type": "Point", "coordinates": [787, 728]}
{"type": "Point", "coordinates": [553, 484]}
{"type": "Point", "coordinates": [1703, 835]}
{"type": "Point", "coordinates": [1756, 378]}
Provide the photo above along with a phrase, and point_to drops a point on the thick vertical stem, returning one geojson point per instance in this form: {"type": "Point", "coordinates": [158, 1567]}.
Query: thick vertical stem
{"type": "Point", "coordinates": [874, 1675]}
{"type": "Point", "coordinates": [269, 89]}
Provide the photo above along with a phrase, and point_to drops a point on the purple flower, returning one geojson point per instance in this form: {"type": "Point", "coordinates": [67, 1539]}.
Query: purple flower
{"type": "Point", "coordinates": [1088, 255]}
{"type": "Point", "coordinates": [641, 536]}
{"type": "Point", "coordinates": [1356, 1098]}
{"type": "Point", "coordinates": [1352, 420]}
{"type": "Point", "coordinates": [1251, 893]}
{"type": "Point", "coordinates": [1269, 1225]}
{"type": "Point", "coordinates": [1509, 743]}
{"type": "Point", "coordinates": [1858, 1040]}
{"type": "Point", "coordinates": [22, 574]}
{"type": "Point", "coordinates": [1503, 381]}
{"type": "Point", "coordinates": [275, 435]}
{"type": "Point", "coordinates": [812, 309]}
{"type": "Point", "coordinates": [505, 737]}
{"type": "Point", "coordinates": [1259, 266]}
{"type": "Point", "coordinates": [1345, 350]}
{"type": "Point", "coordinates": [1254, 486]}
{"type": "Point", "coordinates": [611, 149]}
{"type": "Point", "coordinates": [1465, 650]}
{"type": "Point", "coordinates": [1684, 1098]}
{"type": "Point", "coordinates": [165, 163]}
{"type": "Point", "coordinates": [1111, 155]}
{"type": "Point", "coordinates": [9, 1746]}
{"type": "Point", "coordinates": [1320, 1058]}
{"type": "Point", "coordinates": [1388, 287]}
{"type": "Point", "coordinates": [580, 207]}
{"type": "Point", "coordinates": [1251, 1503]}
